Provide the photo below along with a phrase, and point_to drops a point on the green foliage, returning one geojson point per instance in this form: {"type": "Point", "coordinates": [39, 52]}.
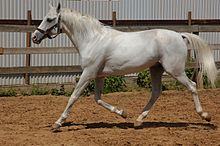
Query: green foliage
{"type": "Point", "coordinates": [189, 72]}
{"type": "Point", "coordinates": [217, 84]}
{"type": "Point", "coordinates": [68, 94]}
{"type": "Point", "coordinates": [25, 93]}
{"type": "Point", "coordinates": [206, 82]}
{"type": "Point", "coordinates": [55, 92]}
{"type": "Point", "coordinates": [114, 84]}
{"type": "Point", "coordinates": [89, 89]}
{"type": "Point", "coordinates": [61, 91]}
{"type": "Point", "coordinates": [58, 92]}
{"type": "Point", "coordinates": [144, 79]}
{"type": "Point", "coordinates": [111, 84]}
{"type": "Point", "coordinates": [36, 90]}
{"type": "Point", "coordinates": [7, 93]}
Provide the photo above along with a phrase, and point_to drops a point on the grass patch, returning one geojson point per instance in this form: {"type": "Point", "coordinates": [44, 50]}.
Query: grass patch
{"type": "Point", "coordinates": [7, 93]}
{"type": "Point", "coordinates": [60, 91]}
{"type": "Point", "coordinates": [35, 90]}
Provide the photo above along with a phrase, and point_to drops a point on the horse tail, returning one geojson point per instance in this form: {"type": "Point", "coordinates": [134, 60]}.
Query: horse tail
{"type": "Point", "coordinates": [204, 58]}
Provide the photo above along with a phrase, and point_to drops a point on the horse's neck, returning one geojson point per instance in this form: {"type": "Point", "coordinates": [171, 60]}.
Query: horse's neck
{"type": "Point", "coordinates": [79, 32]}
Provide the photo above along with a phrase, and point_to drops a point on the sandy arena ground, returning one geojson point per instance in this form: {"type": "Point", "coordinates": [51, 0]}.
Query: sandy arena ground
{"type": "Point", "coordinates": [172, 121]}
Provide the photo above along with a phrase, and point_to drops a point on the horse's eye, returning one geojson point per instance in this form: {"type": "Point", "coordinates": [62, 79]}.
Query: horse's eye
{"type": "Point", "coordinates": [50, 19]}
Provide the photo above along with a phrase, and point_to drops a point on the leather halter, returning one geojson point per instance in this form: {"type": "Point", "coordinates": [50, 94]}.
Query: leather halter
{"type": "Point", "coordinates": [46, 32]}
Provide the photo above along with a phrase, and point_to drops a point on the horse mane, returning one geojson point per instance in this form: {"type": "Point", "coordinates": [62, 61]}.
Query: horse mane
{"type": "Point", "coordinates": [83, 24]}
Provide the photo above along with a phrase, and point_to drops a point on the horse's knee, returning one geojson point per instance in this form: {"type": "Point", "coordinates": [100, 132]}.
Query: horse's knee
{"type": "Point", "coordinates": [192, 87]}
{"type": "Point", "coordinates": [193, 84]}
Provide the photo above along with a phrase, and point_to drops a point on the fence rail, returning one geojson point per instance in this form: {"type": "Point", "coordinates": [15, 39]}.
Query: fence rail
{"type": "Point", "coordinates": [52, 50]}
{"type": "Point", "coordinates": [56, 69]}
{"type": "Point", "coordinates": [37, 50]}
{"type": "Point", "coordinates": [129, 22]}
{"type": "Point", "coordinates": [60, 69]}
{"type": "Point", "coordinates": [179, 28]}
{"type": "Point", "coordinates": [40, 69]}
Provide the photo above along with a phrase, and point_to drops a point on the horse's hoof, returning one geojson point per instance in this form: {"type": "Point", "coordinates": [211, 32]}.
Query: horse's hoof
{"type": "Point", "coordinates": [56, 127]}
{"type": "Point", "coordinates": [138, 124]}
{"type": "Point", "coordinates": [206, 116]}
{"type": "Point", "coordinates": [124, 114]}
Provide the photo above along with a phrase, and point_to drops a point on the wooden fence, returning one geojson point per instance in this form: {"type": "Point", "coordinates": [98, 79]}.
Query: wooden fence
{"type": "Point", "coordinates": [29, 26]}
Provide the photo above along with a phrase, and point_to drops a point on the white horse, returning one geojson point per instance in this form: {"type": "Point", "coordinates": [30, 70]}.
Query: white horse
{"type": "Point", "coordinates": [105, 51]}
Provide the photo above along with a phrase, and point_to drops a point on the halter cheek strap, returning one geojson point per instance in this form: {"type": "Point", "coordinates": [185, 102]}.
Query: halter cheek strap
{"type": "Point", "coordinates": [59, 30]}
{"type": "Point", "coordinates": [46, 32]}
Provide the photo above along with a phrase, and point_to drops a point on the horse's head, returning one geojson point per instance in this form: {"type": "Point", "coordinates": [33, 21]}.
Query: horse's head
{"type": "Point", "coordinates": [49, 27]}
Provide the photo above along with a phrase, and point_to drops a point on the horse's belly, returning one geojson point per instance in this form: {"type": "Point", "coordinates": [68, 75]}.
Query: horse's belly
{"type": "Point", "coordinates": [129, 67]}
{"type": "Point", "coordinates": [131, 54]}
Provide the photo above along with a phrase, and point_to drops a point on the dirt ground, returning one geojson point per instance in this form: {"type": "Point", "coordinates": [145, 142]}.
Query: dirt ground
{"type": "Point", "coordinates": [172, 121]}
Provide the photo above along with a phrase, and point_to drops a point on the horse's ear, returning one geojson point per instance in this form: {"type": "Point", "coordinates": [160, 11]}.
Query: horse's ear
{"type": "Point", "coordinates": [58, 8]}
{"type": "Point", "coordinates": [50, 5]}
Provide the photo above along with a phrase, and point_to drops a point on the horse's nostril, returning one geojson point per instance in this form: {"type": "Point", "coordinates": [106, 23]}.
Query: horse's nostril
{"type": "Point", "coordinates": [34, 38]}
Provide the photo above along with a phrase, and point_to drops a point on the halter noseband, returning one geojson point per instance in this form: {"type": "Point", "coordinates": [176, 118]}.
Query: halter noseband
{"type": "Point", "coordinates": [46, 32]}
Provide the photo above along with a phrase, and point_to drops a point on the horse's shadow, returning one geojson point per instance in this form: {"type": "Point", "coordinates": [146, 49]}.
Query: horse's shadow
{"type": "Point", "coordinates": [127, 125]}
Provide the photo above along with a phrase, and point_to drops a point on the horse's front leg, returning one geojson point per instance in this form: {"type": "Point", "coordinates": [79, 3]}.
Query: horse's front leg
{"type": "Point", "coordinates": [99, 85]}
{"type": "Point", "coordinates": [83, 82]}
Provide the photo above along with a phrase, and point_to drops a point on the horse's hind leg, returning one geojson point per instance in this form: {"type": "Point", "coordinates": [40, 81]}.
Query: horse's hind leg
{"type": "Point", "coordinates": [191, 86]}
{"type": "Point", "coordinates": [99, 84]}
{"type": "Point", "coordinates": [175, 65]}
{"type": "Point", "coordinates": [156, 74]}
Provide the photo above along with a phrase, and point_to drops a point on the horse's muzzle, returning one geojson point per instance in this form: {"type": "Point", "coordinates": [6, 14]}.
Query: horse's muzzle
{"type": "Point", "coordinates": [37, 37]}
{"type": "Point", "coordinates": [35, 40]}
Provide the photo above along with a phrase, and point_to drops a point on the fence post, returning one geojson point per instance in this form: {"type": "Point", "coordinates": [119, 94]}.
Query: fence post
{"type": "Point", "coordinates": [28, 44]}
{"type": "Point", "coordinates": [189, 24]}
{"type": "Point", "coordinates": [114, 19]}
{"type": "Point", "coordinates": [189, 18]}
